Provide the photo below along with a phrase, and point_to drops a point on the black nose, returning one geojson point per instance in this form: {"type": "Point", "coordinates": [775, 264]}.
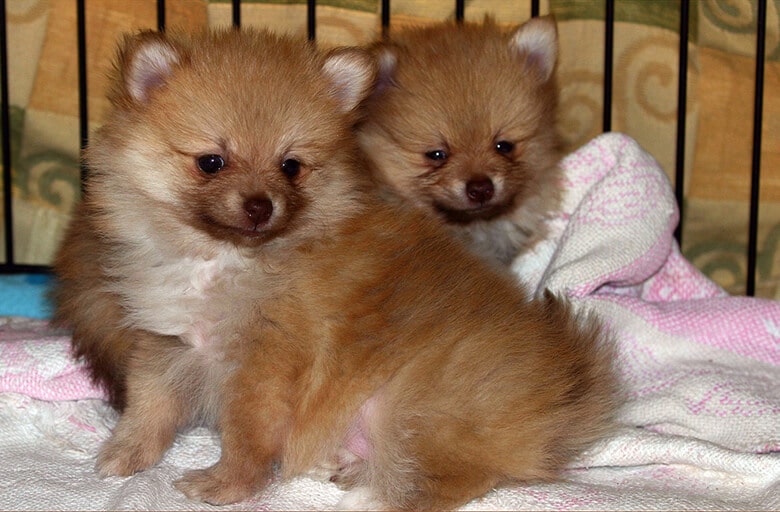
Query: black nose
{"type": "Point", "coordinates": [258, 209]}
{"type": "Point", "coordinates": [480, 190]}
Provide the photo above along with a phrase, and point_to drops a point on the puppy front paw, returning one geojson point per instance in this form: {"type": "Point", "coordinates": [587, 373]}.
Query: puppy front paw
{"type": "Point", "coordinates": [215, 486]}
{"type": "Point", "coordinates": [348, 472]}
{"type": "Point", "coordinates": [123, 459]}
{"type": "Point", "coordinates": [360, 498]}
{"type": "Point", "coordinates": [323, 472]}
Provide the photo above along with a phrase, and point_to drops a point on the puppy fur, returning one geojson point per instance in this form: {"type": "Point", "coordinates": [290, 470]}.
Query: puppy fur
{"type": "Point", "coordinates": [462, 123]}
{"type": "Point", "coordinates": [233, 263]}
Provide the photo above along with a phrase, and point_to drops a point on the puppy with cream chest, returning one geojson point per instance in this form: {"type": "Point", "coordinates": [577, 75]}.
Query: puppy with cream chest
{"type": "Point", "coordinates": [233, 264]}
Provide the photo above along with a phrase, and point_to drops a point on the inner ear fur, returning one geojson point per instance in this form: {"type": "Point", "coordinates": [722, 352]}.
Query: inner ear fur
{"type": "Point", "coordinates": [536, 43]}
{"type": "Point", "coordinates": [351, 73]}
{"type": "Point", "coordinates": [145, 62]}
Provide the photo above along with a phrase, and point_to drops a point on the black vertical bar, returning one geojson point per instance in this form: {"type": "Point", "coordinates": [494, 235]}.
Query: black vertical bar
{"type": "Point", "coordinates": [5, 124]}
{"type": "Point", "coordinates": [609, 46]}
{"type": "Point", "coordinates": [755, 178]}
{"type": "Point", "coordinates": [81, 40]}
{"type": "Point", "coordinates": [161, 15]}
{"type": "Point", "coordinates": [237, 13]}
{"type": "Point", "coordinates": [460, 10]}
{"type": "Point", "coordinates": [682, 105]}
{"type": "Point", "coordinates": [385, 17]}
{"type": "Point", "coordinates": [311, 19]}
{"type": "Point", "coordinates": [534, 8]}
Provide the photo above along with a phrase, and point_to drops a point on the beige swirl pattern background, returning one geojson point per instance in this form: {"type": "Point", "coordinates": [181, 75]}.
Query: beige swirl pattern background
{"type": "Point", "coordinates": [44, 99]}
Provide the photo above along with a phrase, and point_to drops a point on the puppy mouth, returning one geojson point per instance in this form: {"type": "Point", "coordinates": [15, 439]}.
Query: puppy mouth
{"type": "Point", "coordinates": [468, 215]}
{"type": "Point", "coordinates": [238, 234]}
{"type": "Point", "coordinates": [249, 233]}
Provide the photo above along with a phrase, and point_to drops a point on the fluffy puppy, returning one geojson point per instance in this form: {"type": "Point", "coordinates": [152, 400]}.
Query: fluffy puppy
{"type": "Point", "coordinates": [232, 262]}
{"type": "Point", "coordinates": [463, 124]}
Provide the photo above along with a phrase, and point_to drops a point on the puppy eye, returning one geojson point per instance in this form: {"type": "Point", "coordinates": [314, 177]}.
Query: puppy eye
{"type": "Point", "coordinates": [504, 147]}
{"type": "Point", "coordinates": [437, 155]}
{"type": "Point", "coordinates": [211, 164]}
{"type": "Point", "coordinates": [291, 168]}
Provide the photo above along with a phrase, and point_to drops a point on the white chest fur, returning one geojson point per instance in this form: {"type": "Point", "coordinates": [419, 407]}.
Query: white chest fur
{"type": "Point", "coordinates": [504, 238]}
{"type": "Point", "coordinates": [185, 297]}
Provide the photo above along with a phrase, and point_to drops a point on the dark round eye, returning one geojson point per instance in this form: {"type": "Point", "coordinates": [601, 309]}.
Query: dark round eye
{"type": "Point", "coordinates": [291, 167]}
{"type": "Point", "coordinates": [437, 155]}
{"type": "Point", "coordinates": [504, 147]}
{"type": "Point", "coordinates": [211, 164]}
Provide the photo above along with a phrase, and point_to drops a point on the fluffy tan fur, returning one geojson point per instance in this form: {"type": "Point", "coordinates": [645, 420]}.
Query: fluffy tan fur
{"type": "Point", "coordinates": [233, 263]}
{"type": "Point", "coordinates": [463, 124]}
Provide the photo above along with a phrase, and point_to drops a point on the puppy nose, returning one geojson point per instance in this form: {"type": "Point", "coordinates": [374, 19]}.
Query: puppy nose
{"type": "Point", "coordinates": [258, 209]}
{"type": "Point", "coordinates": [480, 190]}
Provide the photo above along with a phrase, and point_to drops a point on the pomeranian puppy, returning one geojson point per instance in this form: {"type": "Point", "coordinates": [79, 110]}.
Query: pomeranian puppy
{"type": "Point", "coordinates": [462, 123]}
{"type": "Point", "coordinates": [233, 263]}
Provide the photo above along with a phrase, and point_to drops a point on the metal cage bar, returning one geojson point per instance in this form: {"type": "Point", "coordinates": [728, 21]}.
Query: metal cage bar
{"type": "Point", "coordinates": [311, 19]}
{"type": "Point", "coordinates": [609, 49]}
{"type": "Point", "coordinates": [755, 178]}
{"type": "Point", "coordinates": [5, 125]}
{"type": "Point", "coordinates": [682, 105]}
{"type": "Point", "coordinates": [81, 49]}
{"type": "Point", "coordinates": [384, 17]}
{"type": "Point", "coordinates": [236, 12]}
{"type": "Point", "coordinates": [10, 265]}
{"type": "Point", "coordinates": [161, 15]}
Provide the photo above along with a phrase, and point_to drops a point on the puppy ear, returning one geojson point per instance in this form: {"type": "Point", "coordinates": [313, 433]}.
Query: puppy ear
{"type": "Point", "coordinates": [351, 73]}
{"type": "Point", "coordinates": [146, 62]}
{"type": "Point", "coordinates": [387, 62]}
{"type": "Point", "coordinates": [536, 43]}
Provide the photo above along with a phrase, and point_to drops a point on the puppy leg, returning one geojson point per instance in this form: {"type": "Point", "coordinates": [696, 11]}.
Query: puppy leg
{"type": "Point", "coordinates": [420, 462]}
{"type": "Point", "coordinates": [155, 409]}
{"type": "Point", "coordinates": [254, 425]}
{"type": "Point", "coordinates": [360, 498]}
{"type": "Point", "coordinates": [99, 338]}
{"type": "Point", "coordinates": [444, 485]}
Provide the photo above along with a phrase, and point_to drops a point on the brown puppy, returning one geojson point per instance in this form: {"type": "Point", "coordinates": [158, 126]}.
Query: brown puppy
{"type": "Point", "coordinates": [463, 124]}
{"type": "Point", "coordinates": [233, 263]}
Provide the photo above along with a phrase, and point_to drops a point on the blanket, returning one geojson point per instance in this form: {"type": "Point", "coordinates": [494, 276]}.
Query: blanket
{"type": "Point", "coordinates": [700, 428]}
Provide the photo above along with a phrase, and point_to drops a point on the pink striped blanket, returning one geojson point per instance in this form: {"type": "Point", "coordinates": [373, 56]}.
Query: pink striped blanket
{"type": "Point", "coordinates": [701, 370]}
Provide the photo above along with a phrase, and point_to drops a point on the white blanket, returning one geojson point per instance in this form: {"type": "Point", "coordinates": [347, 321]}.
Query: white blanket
{"type": "Point", "coordinates": [700, 428]}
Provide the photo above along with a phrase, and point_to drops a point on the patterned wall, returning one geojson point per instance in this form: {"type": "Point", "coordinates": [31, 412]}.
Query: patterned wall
{"type": "Point", "coordinates": [44, 99]}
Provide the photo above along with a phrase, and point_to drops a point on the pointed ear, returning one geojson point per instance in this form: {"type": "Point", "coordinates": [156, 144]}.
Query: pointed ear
{"type": "Point", "coordinates": [351, 73]}
{"type": "Point", "coordinates": [536, 43]}
{"type": "Point", "coordinates": [387, 62]}
{"type": "Point", "coordinates": [146, 62]}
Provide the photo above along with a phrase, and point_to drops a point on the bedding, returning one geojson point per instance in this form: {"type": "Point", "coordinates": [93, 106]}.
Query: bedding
{"type": "Point", "coordinates": [700, 427]}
